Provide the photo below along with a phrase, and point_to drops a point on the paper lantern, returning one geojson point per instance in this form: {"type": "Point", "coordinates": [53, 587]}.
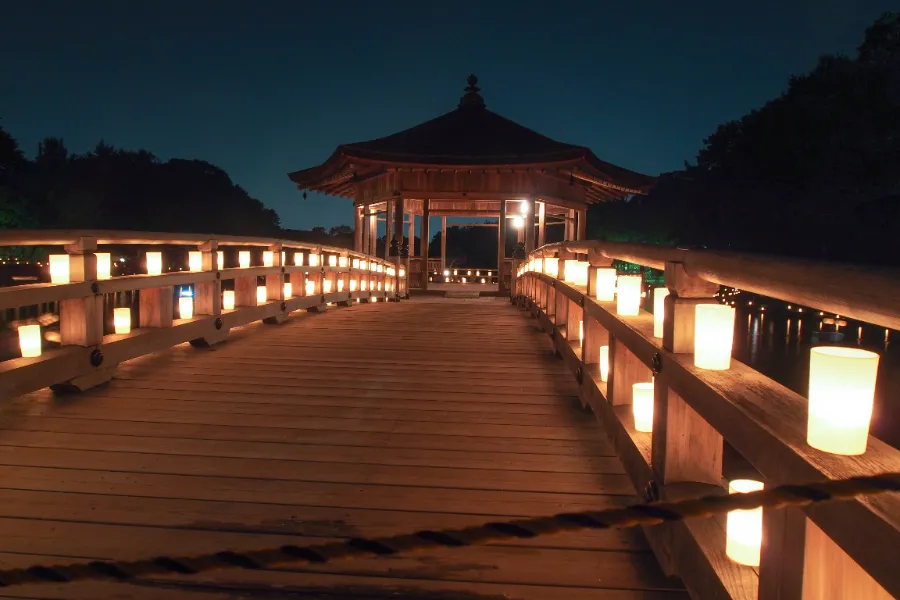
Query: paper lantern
{"type": "Point", "coordinates": [228, 300]}
{"type": "Point", "coordinates": [743, 537]}
{"type": "Point", "coordinates": [283, 255]}
{"type": "Point", "coordinates": [288, 289]}
{"type": "Point", "coordinates": [605, 290]}
{"type": "Point", "coordinates": [261, 295]}
{"type": "Point", "coordinates": [659, 310]}
{"type": "Point", "coordinates": [841, 395]}
{"type": "Point", "coordinates": [195, 261]}
{"type": "Point", "coordinates": [340, 285]}
{"type": "Point", "coordinates": [402, 272]}
{"type": "Point", "coordinates": [373, 299]}
{"type": "Point", "coordinates": [244, 259]}
{"type": "Point", "coordinates": [268, 258]}
{"type": "Point", "coordinates": [298, 259]}
{"type": "Point", "coordinates": [604, 363]}
{"type": "Point", "coordinates": [220, 260]}
{"type": "Point", "coordinates": [310, 287]}
{"type": "Point", "coordinates": [518, 222]}
{"type": "Point", "coordinates": [482, 280]}
{"type": "Point", "coordinates": [551, 267]}
{"type": "Point", "coordinates": [154, 263]}
{"type": "Point", "coordinates": [463, 279]}
{"type": "Point", "coordinates": [446, 272]}
{"type": "Point", "coordinates": [455, 273]}
{"type": "Point", "coordinates": [713, 336]}
{"type": "Point", "coordinates": [379, 286]}
{"type": "Point", "coordinates": [363, 265]}
{"type": "Point", "coordinates": [363, 283]}
{"type": "Point", "coordinates": [355, 263]}
{"type": "Point", "coordinates": [185, 307]}
{"type": "Point", "coordinates": [381, 268]}
{"type": "Point", "coordinates": [642, 406]}
{"type": "Point", "coordinates": [342, 261]}
{"type": "Point", "coordinates": [353, 285]}
{"type": "Point", "coordinates": [538, 266]}
{"type": "Point", "coordinates": [30, 340]}
{"type": "Point", "coordinates": [373, 267]}
{"type": "Point", "coordinates": [122, 320]}
{"type": "Point", "coordinates": [628, 295]}
{"type": "Point", "coordinates": [104, 265]}
{"type": "Point", "coordinates": [579, 274]}
{"type": "Point", "coordinates": [332, 261]}
{"type": "Point", "coordinates": [327, 286]}
{"type": "Point", "coordinates": [59, 268]}
{"type": "Point", "coordinates": [489, 274]}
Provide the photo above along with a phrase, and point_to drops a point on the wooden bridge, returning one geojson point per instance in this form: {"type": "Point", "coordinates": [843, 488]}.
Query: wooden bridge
{"type": "Point", "coordinates": [329, 410]}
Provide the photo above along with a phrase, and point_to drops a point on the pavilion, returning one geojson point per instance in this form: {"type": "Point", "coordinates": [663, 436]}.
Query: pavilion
{"type": "Point", "coordinates": [469, 162]}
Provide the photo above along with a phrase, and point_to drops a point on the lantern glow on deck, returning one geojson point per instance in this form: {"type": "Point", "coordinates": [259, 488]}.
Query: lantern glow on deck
{"type": "Point", "coordinates": [185, 307]}
{"type": "Point", "coordinates": [30, 339]}
{"type": "Point", "coordinates": [604, 363]}
{"type": "Point", "coordinates": [713, 336]}
{"type": "Point", "coordinates": [628, 295]}
{"type": "Point", "coordinates": [261, 296]}
{"type": "Point", "coordinates": [122, 320]}
{"type": "Point", "coordinates": [659, 310]}
{"type": "Point", "coordinates": [743, 537]}
{"type": "Point", "coordinates": [228, 300]}
{"type": "Point", "coordinates": [195, 261]}
{"type": "Point", "coordinates": [59, 268]}
{"type": "Point", "coordinates": [605, 290]}
{"type": "Point", "coordinates": [244, 259]}
{"type": "Point", "coordinates": [841, 395]}
{"type": "Point", "coordinates": [154, 263]}
{"type": "Point", "coordinates": [104, 265]}
{"type": "Point", "coordinates": [642, 405]}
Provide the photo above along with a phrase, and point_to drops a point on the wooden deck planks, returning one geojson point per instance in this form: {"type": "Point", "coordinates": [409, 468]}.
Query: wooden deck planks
{"type": "Point", "coordinates": [369, 420]}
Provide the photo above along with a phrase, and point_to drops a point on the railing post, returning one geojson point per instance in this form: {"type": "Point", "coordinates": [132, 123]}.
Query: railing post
{"type": "Point", "coordinates": [275, 286]}
{"type": "Point", "coordinates": [208, 294]}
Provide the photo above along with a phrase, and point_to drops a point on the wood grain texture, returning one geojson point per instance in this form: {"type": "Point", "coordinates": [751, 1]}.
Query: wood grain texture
{"type": "Point", "coordinates": [316, 430]}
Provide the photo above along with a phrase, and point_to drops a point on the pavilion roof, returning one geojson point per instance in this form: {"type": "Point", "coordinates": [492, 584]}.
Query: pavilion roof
{"type": "Point", "coordinates": [470, 137]}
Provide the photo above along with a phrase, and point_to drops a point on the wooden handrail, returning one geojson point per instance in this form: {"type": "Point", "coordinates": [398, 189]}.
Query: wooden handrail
{"type": "Point", "coordinates": [860, 293]}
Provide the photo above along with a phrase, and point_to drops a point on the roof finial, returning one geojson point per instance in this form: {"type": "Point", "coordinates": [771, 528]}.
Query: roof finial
{"type": "Point", "coordinates": [472, 97]}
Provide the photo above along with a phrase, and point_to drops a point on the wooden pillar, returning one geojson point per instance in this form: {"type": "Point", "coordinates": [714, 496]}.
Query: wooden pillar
{"type": "Point", "coordinates": [373, 232]}
{"type": "Point", "coordinates": [582, 224]}
{"type": "Point", "coordinates": [542, 223]}
{"type": "Point", "coordinates": [388, 228]}
{"type": "Point", "coordinates": [570, 225]}
{"type": "Point", "coordinates": [426, 216]}
{"type": "Point", "coordinates": [501, 246]}
{"type": "Point", "coordinates": [443, 245]}
{"type": "Point", "coordinates": [81, 319]}
{"type": "Point", "coordinates": [208, 294]}
{"type": "Point", "coordinates": [529, 224]}
{"type": "Point", "coordinates": [398, 232]}
{"type": "Point", "coordinates": [357, 224]}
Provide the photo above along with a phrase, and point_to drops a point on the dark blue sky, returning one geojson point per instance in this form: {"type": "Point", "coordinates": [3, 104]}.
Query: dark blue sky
{"type": "Point", "coordinates": [262, 88]}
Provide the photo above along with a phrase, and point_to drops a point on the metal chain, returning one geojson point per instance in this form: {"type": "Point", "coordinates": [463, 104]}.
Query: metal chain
{"type": "Point", "coordinates": [616, 518]}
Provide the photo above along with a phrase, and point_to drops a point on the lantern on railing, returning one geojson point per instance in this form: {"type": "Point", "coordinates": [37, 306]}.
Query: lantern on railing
{"type": "Point", "coordinates": [244, 259]}
{"type": "Point", "coordinates": [59, 268]}
{"type": "Point", "coordinates": [551, 267]}
{"type": "Point", "coordinates": [538, 266]}
{"type": "Point", "coordinates": [659, 310]}
{"type": "Point", "coordinates": [310, 287]}
{"type": "Point", "coordinates": [743, 537]}
{"type": "Point", "coordinates": [446, 272]}
{"type": "Point", "coordinates": [261, 296]}
{"type": "Point", "coordinates": [642, 406]}
{"type": "Point", "coordinates": [713, 336]}
{"type": "Point", "coordinates": [283, 258]}
{"type": "Point", "coordinates": [482, 280]}
{"type": "Point", "coordinates": [628, 295]}
{"type": "Point", "coordinates": [228, 300]}
{"type": "Point", "coordinates": [298, 259]}
{"type": "Point", "coordinates": [354, 264]}
{"type": "Point", "coordinates": [220, 259]}
{"type": "Point", "coordinates": [342, 261]}
{"type": "Point", "coordinates": [122, 320]}
{"type": "Point", "coordinates": [30, 340]}
{"type": "Point", "coordinates": [363, 283]}
{"type": "Point", "coordinates": [841, 395]}
{"type": "Point", "coordinates": [340, 285]}
{"type": "Point", "coordinates": [185, 307]}
{"type": "Point", "coordinates": [332, 261]}
{"type": "Point", "coordinates": [104, 265]}
{"type": "Point", "coordinates": [288, 289]}
{"type": "Point", "coordinates": [313, 260]}
{"type": "Point", "coordinates": [353, 285]}
{"type": "Point", "coordinates": [381, 268]}
{"type": "Point", "coordinates": [268, 258]}
{"type": "Point", "coordinates": [154, 263]}
{"type": "Point", "coordinates": [402, 272]}
{"type": "Point", "coordinates": [605, 284]}
{"type": "Point", "coordinates": [604, 363]}
{"type": "Point", "coordinates": [195, 261]}
{"type": "Point", "coordinates": [326, 286]}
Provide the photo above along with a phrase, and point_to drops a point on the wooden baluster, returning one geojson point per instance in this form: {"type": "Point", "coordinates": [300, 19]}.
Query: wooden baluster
{"type": "Point", "coordinates": [208, 295]}
{"type": "Point", "coordinates": [275, 287]}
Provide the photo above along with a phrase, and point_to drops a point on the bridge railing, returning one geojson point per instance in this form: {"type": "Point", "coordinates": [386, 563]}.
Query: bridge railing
{"type": "Point", "coordinates": [709, 427]}
{"type": "Point", "coordinates": [191, 288]}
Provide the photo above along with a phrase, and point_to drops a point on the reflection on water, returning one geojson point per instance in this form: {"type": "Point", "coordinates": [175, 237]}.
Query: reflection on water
{"type": "Point", "coordinates": [778, 345]}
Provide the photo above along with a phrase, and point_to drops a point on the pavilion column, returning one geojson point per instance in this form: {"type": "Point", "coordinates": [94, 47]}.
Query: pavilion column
{"type": "Point", "coordinates": [570, 225]}
{"type": "Point", "coordinates": [529, 224]}
{"type": "Point", "coordinates": [426, 215]}
{"type": "Point", "coordinates": [501, 246]}
{"type": "Point", "coordinates": [582, 224]}
{"type": "Point", "coordinates": [388, 228]}
{"type": "Point", "coordinates": [398, 233]}
{"type": "Point", "coordinates": [542, 223]}
{"type": "Point", "coordinates": [443, 245]}
{"type": "Point", "coordinates": [357, 229]}
{"type": "Point", "coordinates": [373, 232]}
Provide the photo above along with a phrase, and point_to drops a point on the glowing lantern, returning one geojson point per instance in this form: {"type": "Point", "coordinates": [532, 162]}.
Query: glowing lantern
{"type": "Point", "coordinates": [402, 272]}
{"type": "Point", "coordinates": [642, 405]}
{"type": "Point", "coordinates": [288, 289]}
{"type": "Point", "coordinates": [313, 260]}
{"type": "Point", "coordinates": [327, 286]}
{"type": "Point", "coordinates": [355, 263]}
{"type": "Point", "coordinates": [342, 261]}
{"type": "Point", "coordinates": [59, 268]}
{"type": "Point", "coordinates": [220, 259]}
{"type": "Point", "coordinates": [659, 310]}
{"type": "Point", "coordinates": [298, 259]}
{"type": "Point", "coordinates": [340, 285]}
{"type": "Point", "coordinates": [551, 267]}
{"type": "Point", "coordinates": [373, 299]}
{"type": "Point", "coordinates": [713, 336]}
{"type": "Point", "coordinates": [577, 272]}
{"type": "Point", "coordinates": [841, 395]}
{"type": "Point", "coordinates": [122, 320]}
{"type": "Point", "coordinates": [446, 272]}
{"type": "Point", "coordinates": [154, 263]}
{"type": "Point", "coordinates": [352, 285]}
{"type": "Point", "coordinates": [446, 280]}
{"type": "Point", "coordinates": [186, 307]}
{"type": "Point", "coordinates": [310, 287]}
{"type": "Point", "coordinates": [104, 265]}
{"type": "Point", "coordinates": [195, 261]}
{"type": "Point", "coordinates": [463, 279]}
{"type": "Point", "coordinates": [518, 222]}
{"type": "Point", "coordinates": [381, 268]}
{"type": "Point", "coordinates": [606, 284]}
{"type": "Point", "coordinates": [228, 300]}
{"type": "Point", "coordinates": [261, 296]}
{"type": "Point", "coordinates": [455, 273]}
{"type": "Point", "coordinates": [30, 340]}
{"type": "Point", "coordinates": [604, 363]}
{"type": "Point", "coordinates": [244, 259]}
{"type": "Point", "coordinates": [629, 295]}
{"type": "Point", "coordinates": [268, 258]}
{"type": "Point", "coordinates": [469, 273]}
{"type": "Point", "coordinates": [379, 286]}
{"type": "Point", "coordinates": [482, 280]}
{"type": "Point", "coordinates": [743, 537]}
{"type": "Point", "coordinates": [489, 273]}
{"type": "Point", "coordinates": [332, 261]}
{"type": "Point", "coordinates": [283, 255]}
{"type": "Point", "coordinates": [363, 283]}
{"type": "Point", "coordinates": [538, 266]}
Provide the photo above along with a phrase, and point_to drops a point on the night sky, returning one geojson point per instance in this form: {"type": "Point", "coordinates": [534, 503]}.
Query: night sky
{"type": "Point", "coordinates": [263, 88]}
